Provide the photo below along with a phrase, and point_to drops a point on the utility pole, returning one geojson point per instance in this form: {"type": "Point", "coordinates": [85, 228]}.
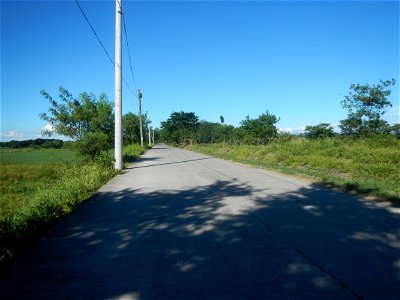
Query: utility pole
{"type": "Point", "coordinates": [118, 87]}
{"type": "Point", "coordinates": [149, 137]}
{"type": "Point", "coordinates": [140, 117]}
{"type": "Point", "coordinates": [153, 137]}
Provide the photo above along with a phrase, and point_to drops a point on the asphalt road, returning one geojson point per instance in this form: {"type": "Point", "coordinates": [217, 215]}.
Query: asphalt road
{"type": "Point", "coordinates": [180, 225]}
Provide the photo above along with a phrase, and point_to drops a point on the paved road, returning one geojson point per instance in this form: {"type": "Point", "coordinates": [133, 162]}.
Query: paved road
{"type": "Point", "coordinates": [180, 225]}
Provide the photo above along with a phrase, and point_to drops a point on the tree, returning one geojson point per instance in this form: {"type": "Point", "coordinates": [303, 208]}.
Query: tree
{"type": "Point", "coordinates": [209, 132]}
{"type": "Point", "coordinates": [321, 130]}
{"type": "Point", "coordinates": [180, 128]}
{"type": "Point", "coordinates": [130, 129]}
{"type": "Point", "coordinates": [366, 105]}
{"type": "Point", "coordinates": [222, 119]}
{"type": "Point", "coordinates": [82, 119]}
{"type": "Point", "coordinates": [260, 130]}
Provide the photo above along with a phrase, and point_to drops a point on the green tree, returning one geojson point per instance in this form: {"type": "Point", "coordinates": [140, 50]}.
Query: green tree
{"type": "Point", "coordinates": [366, 105]}
{"type": "Point", "coordinates": [322, 130]}
{"type": "Point", "coordinates": [180, 128]}
{"type": "Point", "coordinates": [209, 132]}
{"type": "Point", "coordinates": [261, 130]}
{"type": "Point", "coordinates": [130, 129]}
{"type": "Point", "coordinates": [83, 119]}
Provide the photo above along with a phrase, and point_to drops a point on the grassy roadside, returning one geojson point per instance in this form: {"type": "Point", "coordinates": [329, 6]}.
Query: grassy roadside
{"type": "Point", "coordinates": [40, 191]}
{"type": "Point", "coordinates": [370, 166]}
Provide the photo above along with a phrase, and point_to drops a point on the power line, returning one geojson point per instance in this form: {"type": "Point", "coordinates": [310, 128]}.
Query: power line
{"type": "Point", "coordinates": [129, 54]}
{"type": "Point", "coordinates": [127, 44]}
{"type": "Point", "coordinates": [98, 39]}
{"type": "Point", "coordinates": [94, 31]}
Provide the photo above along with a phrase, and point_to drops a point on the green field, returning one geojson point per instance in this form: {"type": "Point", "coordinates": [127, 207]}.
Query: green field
{"type": "Point", "coordinates": [37, 156]}
{"type": "Point", "coordinates": [24, 172]}
{"type": "Point", "coordinates": [40, 186]}
{"type": "Point", "coordinates": [368, 166]}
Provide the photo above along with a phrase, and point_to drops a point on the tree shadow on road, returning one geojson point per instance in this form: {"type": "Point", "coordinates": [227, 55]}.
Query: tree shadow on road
{"type": "Point", "coordinates": [220, 241]}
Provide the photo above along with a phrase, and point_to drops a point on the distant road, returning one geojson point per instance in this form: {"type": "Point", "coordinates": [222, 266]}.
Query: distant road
{"type": "Point", "coordinates": [180, 225]}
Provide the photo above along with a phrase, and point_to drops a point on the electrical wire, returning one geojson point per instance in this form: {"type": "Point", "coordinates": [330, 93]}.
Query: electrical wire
{"type": "Point", "coordinates": [102, 45]}
{"type": "Point", "coordinates": [127, 44]}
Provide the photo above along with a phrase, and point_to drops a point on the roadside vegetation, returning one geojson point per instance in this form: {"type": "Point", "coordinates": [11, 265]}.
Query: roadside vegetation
{"type": "Point", "coordinates": [364, 157]}
{"type": "Point", "coordinates": [369, 166]}
{"type": "Point", "coordinates": [43, 180]}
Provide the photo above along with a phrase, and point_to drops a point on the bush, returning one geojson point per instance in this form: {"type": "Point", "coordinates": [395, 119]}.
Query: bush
{"type": "Point", "coordinates": [92, 144]}
{"type": "Point", "coordinates": [132, 152]}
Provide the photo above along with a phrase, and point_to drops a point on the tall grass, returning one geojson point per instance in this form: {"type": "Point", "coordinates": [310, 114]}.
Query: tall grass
{"type": "Point", "coordinates": [132, 152]}
{"type": "Point", "coordinates": [40, 191]}
{"type": "Point", "coordinates": [48, 205]}
{"type": "Point", "coordinates": [370, 166]}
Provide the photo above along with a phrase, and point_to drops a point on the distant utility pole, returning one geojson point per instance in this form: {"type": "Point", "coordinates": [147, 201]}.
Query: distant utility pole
{"type": "Point", "coordinates": [153, 138]}
{"type": "Point", "coordinates": [149, 137]}
{"type": "Point", "coordinates": [118, 87]}
{"type": "Point", "coordinates": [140, 117]}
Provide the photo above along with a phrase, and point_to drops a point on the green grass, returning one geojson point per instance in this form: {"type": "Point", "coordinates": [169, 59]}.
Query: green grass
{"type": "Point", "coordinates": [26, 171]}
{"type": "Point", "coordinates": [35, 186]}
{"type": "Point", "coordinates": [132, 152]}
{"type": "Point", "coordinates": [40, 186]}
{"type": "Point", "coordinates": [37, 156]}
{"type": "Point", "coordinates": [369, 166]}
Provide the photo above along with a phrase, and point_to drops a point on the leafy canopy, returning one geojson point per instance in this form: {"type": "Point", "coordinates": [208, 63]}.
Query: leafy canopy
{"type": "Point", "coordinates": [260, 130]}
{"type": "Point", "coordinates": [366, 105]}
{"type": "Point", "coordinates": [180, 127]}
{"type": "Point", "coordinates": [131, 128]}
{"type": "Point", "coordinates": [321, 130]}
{"type": "Point", "coordinates": [74, 117]}
{"type": "Point", "coordinates": [85, 119]}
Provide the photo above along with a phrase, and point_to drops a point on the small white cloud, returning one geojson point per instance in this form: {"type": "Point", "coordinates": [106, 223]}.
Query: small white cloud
{"type": "Point", "coordinates": [48, 127]}
{"type": "Point", "coordinates": [12, 135]}
{"type": "Point", "coordinates": [295, 130]}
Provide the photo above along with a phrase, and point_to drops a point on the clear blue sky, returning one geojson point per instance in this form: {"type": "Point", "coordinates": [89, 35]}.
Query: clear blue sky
{"type": "Point", "coordinates": [295, 59]}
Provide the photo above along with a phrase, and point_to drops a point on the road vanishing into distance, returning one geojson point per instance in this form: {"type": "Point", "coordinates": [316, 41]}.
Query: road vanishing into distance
{"type": "Point", "coordinates": [180, 225]}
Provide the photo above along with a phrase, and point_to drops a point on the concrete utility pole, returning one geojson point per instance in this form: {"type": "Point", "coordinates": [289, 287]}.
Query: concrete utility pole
{"type": "Point", "coordinates": [140, 117]}
{"type": "Point", "coordinates": [118, 87]}
{"type": "Point", "coordinates": [149, 137]}
{"type": "Point", "coordinates": [153, 138]}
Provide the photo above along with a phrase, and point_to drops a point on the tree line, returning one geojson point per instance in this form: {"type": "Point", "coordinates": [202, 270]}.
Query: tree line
{"type": "Point", "coordinates": [36, 143]}
{"type": "Point", "coordinates": [365, 105]}
{"type": "Point", "coordinates": [89, 122]}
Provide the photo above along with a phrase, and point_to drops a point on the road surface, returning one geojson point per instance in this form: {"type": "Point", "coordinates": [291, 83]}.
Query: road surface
{"type": "Point", "coordinates": [180, 225]}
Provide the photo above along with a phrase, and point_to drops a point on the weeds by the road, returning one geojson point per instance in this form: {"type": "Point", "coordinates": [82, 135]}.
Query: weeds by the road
{"type": "Point", "coordinates": [48, 205]}
{"type": "Point", "coordinates": [26, 171]}
{"type": "Point", "coordinates": [369, 166]}
{"type": "Point", "coordinates": [132, 152]}
{"type": "Point", "coordinates": [37, 192]}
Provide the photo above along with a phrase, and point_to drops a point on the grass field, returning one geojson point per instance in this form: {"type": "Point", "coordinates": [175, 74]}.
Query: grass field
{"type": "Point", "coordinates": [369, 166]}
{"type": "Point", "coordinates": [24, 172]}
{"type": "Point", "coordinates": [37, 156]}
{"type": "Point", "coordinates": [40, 186]}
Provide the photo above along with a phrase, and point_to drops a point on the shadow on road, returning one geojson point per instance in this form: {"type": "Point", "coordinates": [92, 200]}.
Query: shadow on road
{"type": "Point", "coordinates": [168, 163]}
{"type": "Point", "coordinates": [311, 243]}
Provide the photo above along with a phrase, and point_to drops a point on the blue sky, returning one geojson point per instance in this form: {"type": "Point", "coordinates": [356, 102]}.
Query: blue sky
{"type": "Point", "coordinates": [296, 59]}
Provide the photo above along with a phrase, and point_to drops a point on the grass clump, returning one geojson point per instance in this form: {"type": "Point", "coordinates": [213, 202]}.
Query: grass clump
{"type": "Point", "coordinates": [369, 166]}
{"type": "Point", "coordinates": [132, 152]}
